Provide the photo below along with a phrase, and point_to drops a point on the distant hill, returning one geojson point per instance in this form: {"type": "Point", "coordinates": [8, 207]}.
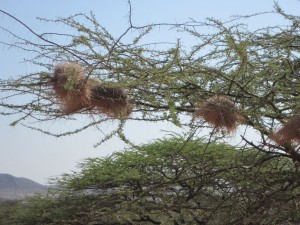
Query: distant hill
{"type": "Point", "coordinates": [18, 188]}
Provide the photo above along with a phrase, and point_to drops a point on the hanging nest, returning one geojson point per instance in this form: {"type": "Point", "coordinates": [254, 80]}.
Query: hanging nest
{"type": "Point", "coordinates": [69, 85]}
{"type": "Point", "coordinates": [289, 132]}
{"type": "Point", "coordinates": [220, 112]}
{"type": "Point", "coordinates": [112, 101]}
{"type": "Point", "coordinates": [76, 93]}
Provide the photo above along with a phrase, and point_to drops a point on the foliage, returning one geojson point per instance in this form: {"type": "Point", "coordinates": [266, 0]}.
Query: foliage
{"type": "Point", "coordinates": [256, 70]}
{"type": "Point", "coordinates": [6, 209]}
{"type": "Point", "coordinates": [172, 181]}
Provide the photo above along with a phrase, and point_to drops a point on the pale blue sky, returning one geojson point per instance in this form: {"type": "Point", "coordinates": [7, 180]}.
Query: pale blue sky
{"type": "Point", "coordinates": [37, 156]}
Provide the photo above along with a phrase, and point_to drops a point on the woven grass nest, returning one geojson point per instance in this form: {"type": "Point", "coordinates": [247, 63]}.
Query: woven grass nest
{"type": "Point", "coordinates": [289, 132]}
{"type": "Point", "coordinates": [220, 112]}
{"type": "Point", "coordinates": [77, 93]}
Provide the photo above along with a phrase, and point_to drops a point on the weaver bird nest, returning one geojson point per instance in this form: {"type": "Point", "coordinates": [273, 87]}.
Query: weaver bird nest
{"type": "Point", "coordinates": [289, 132]}
{"type": "Point", "coordinates": [76, 92]}
{"type": "Point", "coordinates": [220, 112]}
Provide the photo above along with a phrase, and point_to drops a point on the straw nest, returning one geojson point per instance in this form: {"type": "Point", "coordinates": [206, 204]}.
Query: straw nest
{"type": "Point", "coordinates": [289, 132]}
{"type": "Point", "coordinates": [112, 101]}
{"type": "Point", "coordinates": [76, 93]}
{"type": "Point", "coordinates": [69, 85]}
{"type": "Point", "coordinates": [220, 112]}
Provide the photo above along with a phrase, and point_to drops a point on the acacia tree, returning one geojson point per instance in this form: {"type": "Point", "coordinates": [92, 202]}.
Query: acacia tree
{"type": "Point", "coordinates": [257, 71]}
{"type": "Point", "coordinates": [231, 76]}
{"type": "Point", "coordinates": [171, 181]}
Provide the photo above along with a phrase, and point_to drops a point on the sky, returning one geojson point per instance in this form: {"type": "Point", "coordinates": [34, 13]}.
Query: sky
{"type": "Point", "coordinates": [30, 154]}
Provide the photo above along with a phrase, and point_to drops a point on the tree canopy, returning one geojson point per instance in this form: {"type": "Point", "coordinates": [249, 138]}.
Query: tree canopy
{"type": "Point", "coordinates": [256, 71]}
{"type": "Point", "coordinates": [229, 76]}
{"type": "Point", "coordinates": [171, 181]}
